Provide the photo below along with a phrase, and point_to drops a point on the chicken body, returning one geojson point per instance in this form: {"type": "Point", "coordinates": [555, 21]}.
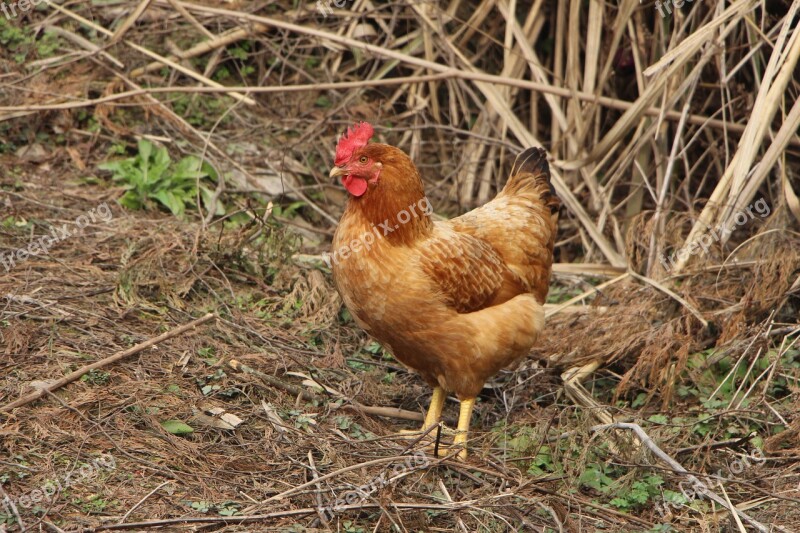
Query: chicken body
{"type": "Point", "coordinates": [456, 300]}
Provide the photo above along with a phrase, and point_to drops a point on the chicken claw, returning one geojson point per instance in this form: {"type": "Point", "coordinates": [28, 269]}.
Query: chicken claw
{"type": "Point", "coordinates": [433, 416]}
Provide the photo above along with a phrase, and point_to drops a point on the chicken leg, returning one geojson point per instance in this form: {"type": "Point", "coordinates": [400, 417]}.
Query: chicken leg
{"type": "Point", "coordinates": [435, 409]}
{"type": "Point", "coordinates": [434, 412]}
{"type": "Point", "coordinates": [464, 416]}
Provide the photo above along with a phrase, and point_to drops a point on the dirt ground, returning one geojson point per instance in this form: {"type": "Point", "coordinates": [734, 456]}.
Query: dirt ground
{"type": "Point", "coordinates": [651, 404]}
{"type": "Point", "coordinates": [129, 276]}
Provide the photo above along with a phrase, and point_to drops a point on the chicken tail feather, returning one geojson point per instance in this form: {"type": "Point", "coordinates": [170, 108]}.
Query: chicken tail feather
{"type": "Point", "coordinates": [531, 174]}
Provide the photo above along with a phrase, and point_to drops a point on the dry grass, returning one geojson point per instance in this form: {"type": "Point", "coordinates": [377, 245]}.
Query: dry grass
{"type": "Point", "coordinates": [661, 131]}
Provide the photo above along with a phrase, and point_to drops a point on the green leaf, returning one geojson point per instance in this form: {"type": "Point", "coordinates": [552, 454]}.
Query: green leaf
{"type": "Point", "coordinates": [640, 400]}
{"type": "Point", "coordinates": [112, 166]}
{"type": "Point", "coordinates": [168, 199]}
{"type": "Point", "coordinates": [130, 200]}
{"type": "Point", "coordinates": [238, 52]}
{"type": "Point", "coordinates": [671, 496]}
{"type": "Point", "coordinates": [373, 347]}
{"type": "Point", "coordinates": [160, 164]}
{"type": "Point", "coordinates": [152, 175]}
{"type": "Point", "coordinates": [596, 479]}
{"type": "Point", "coordinates": [620, 503]}
{"type": "Point", "coordinates": [145, 149]}
{"type": "Point", "coordinates": [189, 168]}
{"type": "Point", "coordinates": [639, 492]}
{"type": "Point", "coordinates": [208, 195]}
{"type": "Point", "coordinates": [208, 389]}
{"type": "Point", "coordinates": [202, 506]}
{"type": "Point", "coordinates": [176, 427]}
{"type": "Point", "coordinates": [210, 171]}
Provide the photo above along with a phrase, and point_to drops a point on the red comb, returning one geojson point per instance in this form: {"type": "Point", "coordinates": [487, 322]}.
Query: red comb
{"type": "Point", "coordinates": [354, 138]}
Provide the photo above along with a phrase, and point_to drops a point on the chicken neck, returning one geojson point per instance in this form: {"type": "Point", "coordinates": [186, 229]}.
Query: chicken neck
{"type": "Point", "coordinates": [399, 216]}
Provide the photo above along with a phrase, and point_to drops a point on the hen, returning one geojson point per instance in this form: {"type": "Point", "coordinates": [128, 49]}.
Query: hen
{"type": "Point", "coordinates": [456, 300]}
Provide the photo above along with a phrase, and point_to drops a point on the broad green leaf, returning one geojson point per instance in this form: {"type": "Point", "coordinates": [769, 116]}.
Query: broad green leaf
{"type": "Point", "coordinates": [159, 165]}
{"type": "Point", "coordinates": [113, 166]}
{"type": "Point", "coordinates": [145, 148]}
{"type": "Point", "coordinates": [176, 427]}
{"type": "Point", "coordinates": [130, 200]}
{"type": "Point", "coordinates": [210, 171]}
{"type": "Point", "coordinates": [189, 169]}
{"type": "Point", "coordinates": [208, 195]}
{"type": "Point", "coordinates": [170, 201]}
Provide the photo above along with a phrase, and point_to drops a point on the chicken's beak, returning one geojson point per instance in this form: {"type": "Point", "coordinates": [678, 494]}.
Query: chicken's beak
{"type": "Point", "coordinates": [337, 171]}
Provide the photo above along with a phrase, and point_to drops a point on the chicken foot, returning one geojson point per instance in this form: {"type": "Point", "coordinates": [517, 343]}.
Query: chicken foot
{"type": "Point", "coordinates": [434, 413]}
{"type": "Point", "coordinates": [464, 418]}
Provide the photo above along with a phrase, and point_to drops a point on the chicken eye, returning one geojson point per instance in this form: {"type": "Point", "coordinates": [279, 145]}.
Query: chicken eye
{"type": "Point", "coordinates": [363, 159]}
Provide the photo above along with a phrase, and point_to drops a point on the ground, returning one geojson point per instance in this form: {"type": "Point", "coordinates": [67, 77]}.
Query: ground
{"type": "Point", "coordinates": [276, 412]}
{"type": "Point", "coordinates": [132, 275]}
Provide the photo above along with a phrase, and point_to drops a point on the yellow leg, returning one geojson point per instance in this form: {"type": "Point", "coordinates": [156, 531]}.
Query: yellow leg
{"type": "Point", "coordinates": [432, 416]}
{"type": "Point", "coordinates": [464, 416]}
{"type": "Point", "coordinates": [435, 409]}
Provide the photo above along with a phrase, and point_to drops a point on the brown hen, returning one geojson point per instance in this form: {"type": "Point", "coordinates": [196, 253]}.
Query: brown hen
{"type": "Point", "coordinates": [456, 300]}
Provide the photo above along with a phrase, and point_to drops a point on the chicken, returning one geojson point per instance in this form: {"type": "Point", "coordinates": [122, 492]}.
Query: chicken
{"type": "Point", "coordinates": [458, 300]}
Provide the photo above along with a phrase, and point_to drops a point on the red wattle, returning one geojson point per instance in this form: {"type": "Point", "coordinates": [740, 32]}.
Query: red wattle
{"type": "Point", "coordinates": [354, 185]}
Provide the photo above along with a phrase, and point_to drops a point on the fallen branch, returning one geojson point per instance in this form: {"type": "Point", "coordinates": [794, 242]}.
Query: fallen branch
{"type": "Point", "coordinates": [130, 21]}
{"type": "Point", "coordinates": [69, 378]}
{"type": "Point", "coordinates": [152, 55]}
{"type": "Point", "coordinates": [276, 382]}
{"type": "Point", "coordinates": [248, 519]}
{"type": "Point", "coordinates": [389, 412]}
{"type": "Point", "coordinates": [449, 74]}
{"type": "Point", "coordinates": [204, 47]}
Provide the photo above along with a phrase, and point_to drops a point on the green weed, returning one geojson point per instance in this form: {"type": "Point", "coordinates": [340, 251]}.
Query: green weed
{"type": "Point", "coordinates": [22, 42]}
{"type": "Point", "coordinates": [151, 176]}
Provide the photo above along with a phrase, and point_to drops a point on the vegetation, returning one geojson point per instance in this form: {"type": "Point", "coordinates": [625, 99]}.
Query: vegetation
{"type": "Point", "coordinates": [152, 175]}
